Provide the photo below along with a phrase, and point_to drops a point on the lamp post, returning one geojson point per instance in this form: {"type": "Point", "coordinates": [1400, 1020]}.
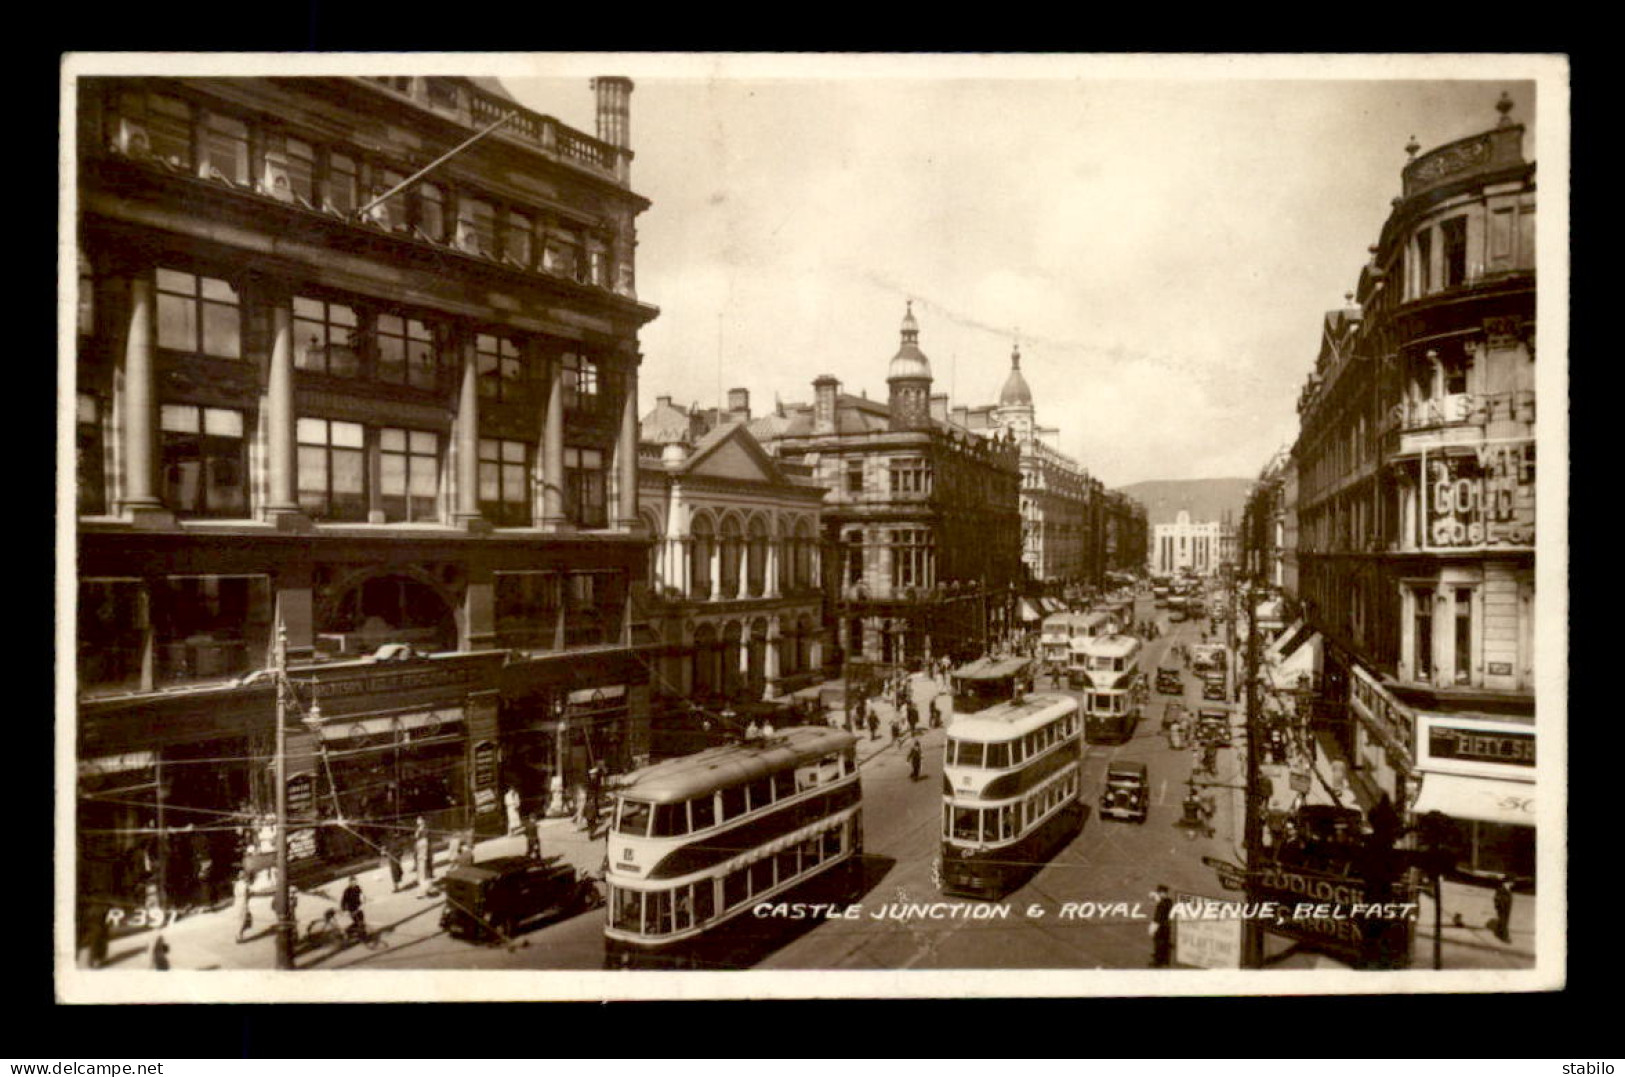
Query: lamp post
{"type": "Point", "coordinates": [1252, 938]}
{"type": "Point", "coordinates": [284, 918]}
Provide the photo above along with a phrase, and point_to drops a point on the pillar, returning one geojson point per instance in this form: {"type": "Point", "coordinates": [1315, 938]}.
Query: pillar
{"type": "Point", "coordinates": [627, 454]}
{"type": "Point", "coordinates": [771, 584]}
{"type": "Point", "coordinates": [716, 568]}
{"type": "Point", "coordinates": [770, 659]}
{"type": "Point", "coordinates": [468, 439]}
{"type": "Point", "coordinates": [140, 403]}
{"type": "Point", "coordinates": [553, 517]}
{"type": "Point", "coordinates": [280, 418]}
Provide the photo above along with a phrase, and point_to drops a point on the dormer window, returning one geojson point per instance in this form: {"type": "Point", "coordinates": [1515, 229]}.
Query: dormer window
{"type": "Point", "coordinates": [225, 150]}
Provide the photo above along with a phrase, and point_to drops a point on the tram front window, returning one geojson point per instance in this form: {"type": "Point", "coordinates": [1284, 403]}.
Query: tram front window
{"type": "Point", "coordinates": [626, 909]}
{"type": "Point", "coordinates": [634, 818]}
{"type": "Point", "coordinates": [670, 820]}
{"type": "Point", "coordinates": [998, 755]}
{"type": "Point", "coordinates": [967, 753]}
{"type": "Point", "coordinates": [967, 824]}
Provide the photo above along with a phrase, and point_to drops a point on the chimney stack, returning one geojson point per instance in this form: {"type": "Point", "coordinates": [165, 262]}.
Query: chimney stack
{"type": "Point", "coordinates": [739, 405]}
{"type": "Point", "coordinates": [825, 388]}
{"type": "Point", "coordinates": [663, 401]}
{"type": "Point", "coordinates": [614, 110]}
{"type": "Point", "coordinates": [961, 414]}
{"type": "Point", "coordinates": [939, 407]}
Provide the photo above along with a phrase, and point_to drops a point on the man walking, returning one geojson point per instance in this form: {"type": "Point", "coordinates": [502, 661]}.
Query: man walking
{"type": "Point", "coordinates": [1503, 910]}
{"type": "Point", "coordinates": [350, 902]}
{"type": "Point", "coordinates": [1161, 928]}
{"type": "Point", "coordinates": [914, 755]}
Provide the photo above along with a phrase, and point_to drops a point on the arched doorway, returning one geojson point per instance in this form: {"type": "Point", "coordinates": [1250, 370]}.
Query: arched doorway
{"type": "Point", "coordinates": [733, 678]}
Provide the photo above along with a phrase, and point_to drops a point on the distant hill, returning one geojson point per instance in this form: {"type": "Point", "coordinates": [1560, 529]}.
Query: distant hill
{"type": "Point", "coordinates": [1204, 499]}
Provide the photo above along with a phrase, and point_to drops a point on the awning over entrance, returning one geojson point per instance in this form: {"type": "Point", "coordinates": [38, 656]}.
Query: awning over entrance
{"type": "Point", "coordinates": [1030, 611]}
{"type": "Point", "coordinates": [1487, 800]}
{"type": "Point", "coordinates": [1300, 660]}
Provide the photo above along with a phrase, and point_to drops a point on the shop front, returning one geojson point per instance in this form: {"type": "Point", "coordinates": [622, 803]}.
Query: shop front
{"type": "Point", "coordinates": [1479, 770]}
{"type": "Point", "coordinates": [1384, 742]}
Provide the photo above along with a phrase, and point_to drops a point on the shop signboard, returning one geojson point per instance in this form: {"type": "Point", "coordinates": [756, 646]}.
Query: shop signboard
{"type": "Point", "coordinates": [1483, 498]}
{"type": "Point", "coordinates": [301, 796]}
{"type": "Point", "coordinates": [1389, 719]}
{"type": "Point", "coordinates": [1481, 745]}
{"type": "Point", "coordinates": [1338, 915]}
{"type": "Point", "coordinates": [302, 843]}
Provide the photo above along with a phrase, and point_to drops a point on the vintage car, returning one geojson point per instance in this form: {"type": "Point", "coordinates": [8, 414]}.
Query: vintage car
{"type": "Point", "coordinates": [1169, 682]}
{"type": "Point", "coordinates": [1213, 687]}
{"type": "Point", "coordinates": [495, 899]}
{"type": "Point", "coordinates": [1213, 727]}
{"type": "Point", "coordinates": [1127, 794]}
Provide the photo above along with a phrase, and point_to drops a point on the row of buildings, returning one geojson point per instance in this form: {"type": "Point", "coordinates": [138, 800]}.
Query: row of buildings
{"type": "Point", "coordinates": [1400, 526]}
{"type": "Point", "coordinates": [355, 383]}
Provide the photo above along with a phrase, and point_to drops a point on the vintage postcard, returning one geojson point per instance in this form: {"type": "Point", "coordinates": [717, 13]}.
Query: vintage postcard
{"type": "Point", "coordinates": [584, 526]}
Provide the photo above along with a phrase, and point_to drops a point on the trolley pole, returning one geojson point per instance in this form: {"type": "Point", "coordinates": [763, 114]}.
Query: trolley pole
{"type": "Point", "coordinates": [1252, 937]}
{"type": "Point", "coordinates": [284, 918]}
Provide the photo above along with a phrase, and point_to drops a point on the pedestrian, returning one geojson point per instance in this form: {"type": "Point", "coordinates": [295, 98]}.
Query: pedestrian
{"type": "Point", "coordinates": [533, 839]}
{"type": "Point", "coordinates": [874, 726]}
{"type": "Point", "coordinates": [589, 811]}
{"type": "Point", "coordinates": [767, 727]}
{"type": "Point", "coordinates": [939, 708]}
{"type": "Point", "coordinates": [350, 902]}
{"type": "Point", "coordinates": [914, 756]}
{"type": "Point", "coordinates": [239, 903]}
{"type": "Point", "coordinates": [423, 852]}
{"type": "Point", "coordinates": [913, 716]}
{"type": "Point", "coordinates": [753, 731]}
{"type": "Point", "coordinates": [160, 954]}
{"type": "Point", "coordinates": [896, 731]}
{"type": "Point", "coordinates": [392, 861]}
{"type": "Point", "coordinates": [1161, 927]}
{"type": "Point", "coordinates": [511, 801]}
{"type": "Point", "coordinates": [1503, 909]}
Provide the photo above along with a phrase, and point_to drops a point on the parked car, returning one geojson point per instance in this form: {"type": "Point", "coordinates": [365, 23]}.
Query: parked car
{"type": "Point", "coordinates": [495, 899]}
{"type": "Point", "coordinates": [1213, 687]}
{"type": "Point", "coordinates": [1127, 794]}
{"type": "Point", "coordinates": [1169, 682]}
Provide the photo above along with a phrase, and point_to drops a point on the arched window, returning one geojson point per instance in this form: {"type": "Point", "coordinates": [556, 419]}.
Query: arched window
{"type": "Point", "coordinates": [702, 545]}
{"type": "Point", "coordinates": [732, 641]}
{"type": "Point", "coordinates": [732, 544]}
{"type": "Point", "coordinates": [803, 553]}
{"type": "Point", "coordinates": [707, 656]}
{"type": "Point", "coordinates": [756, 558]}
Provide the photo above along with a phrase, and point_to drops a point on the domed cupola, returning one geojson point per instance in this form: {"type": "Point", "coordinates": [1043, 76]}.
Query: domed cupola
{"type": "Point", "coordinates": [910, 379]}
{"type": "Point", "coordinates": [1015, 393]}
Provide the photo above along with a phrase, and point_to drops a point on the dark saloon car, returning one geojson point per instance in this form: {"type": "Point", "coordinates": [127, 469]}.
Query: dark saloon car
{"type": "Point", "coordinates": [495, 899]}
{"type": "Point", "coordinates": [1127, 793]}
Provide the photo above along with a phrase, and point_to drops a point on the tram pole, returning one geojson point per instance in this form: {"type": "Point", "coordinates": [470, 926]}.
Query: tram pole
{"type": "Point", "coordinates": [284, 918]}
{"type": "Point", "coordinates": [1252, 937]}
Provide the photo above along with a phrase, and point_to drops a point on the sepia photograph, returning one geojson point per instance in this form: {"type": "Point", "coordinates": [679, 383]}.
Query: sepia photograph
{"type": "Point", "coordinates": [587, 526]}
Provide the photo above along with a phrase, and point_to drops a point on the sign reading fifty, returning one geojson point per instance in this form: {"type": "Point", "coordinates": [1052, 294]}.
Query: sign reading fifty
{"type": "Point", "coordinates": [1479, 746]}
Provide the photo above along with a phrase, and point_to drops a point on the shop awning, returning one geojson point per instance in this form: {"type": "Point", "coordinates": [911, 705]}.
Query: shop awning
{"type": "Point", "coordinates": [1486, 800]}
{"type": "Point", "coordinates": [1283, 644]}
{"type": "Point", "coordinates": [1029, 611]}
{"type": "Point", "coordinates": [1302, 659]}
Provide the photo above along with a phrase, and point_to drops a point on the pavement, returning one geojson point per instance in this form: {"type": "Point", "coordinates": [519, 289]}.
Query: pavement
{"type": "Point", "coordinates": [206, 938]}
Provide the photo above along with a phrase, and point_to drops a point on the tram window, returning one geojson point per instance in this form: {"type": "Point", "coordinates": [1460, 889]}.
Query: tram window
{"type": "Point", "coordinates": [966, 824]}
{"type": "Point", "coordinates": [704, 901]}
{"type": "Point", "coordinates": [634, 818]}
{"type": "Point", "coordinates": [761, 794]}
{"type": "Point", "coordinates": [1017, 753]}
{"type": "Point", "coordinates": [789, 866]}
{"type": "Point", "coordinates": [702, 812]}
{"type": "Point", "coordinates": [735, 888]}
{"type": "Point", "coordinates": [970, 753]}
{"type": "Point", "coordinates": [809, 854]}
{"type": "Point", "coordinates": [733, 802]}
{"type": "Point", "coordinates": [761, 876]}
{"type": "Point", "coordinates": [627, 909]}
{"type": "Point", "coordinates": [832, 843]}
{"type": "Point", "coordinates": [657, 913]}
{"type": "Point", "coordinates": [1009, 821]}
{"type": "Point", "coordinates": [784, 784]}
{"type": "Point", "coordinates": [998, 755]}
{"type": "Point", "coordinates": [671, 820]}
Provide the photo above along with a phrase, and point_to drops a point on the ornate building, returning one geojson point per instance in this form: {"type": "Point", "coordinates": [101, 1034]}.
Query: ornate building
{"type": "Point", "coordinates": [921, 521]}
{"type": "Point", "coordinates": [736, 597]}
{"type": "Point", "coordinates": [1415, 500]}
{"type": "Point", "coordinates": [392, 411]}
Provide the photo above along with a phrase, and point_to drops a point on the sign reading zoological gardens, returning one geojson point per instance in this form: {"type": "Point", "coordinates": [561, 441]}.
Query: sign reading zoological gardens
{"type": "Point", "coordinates": [1339, 915]}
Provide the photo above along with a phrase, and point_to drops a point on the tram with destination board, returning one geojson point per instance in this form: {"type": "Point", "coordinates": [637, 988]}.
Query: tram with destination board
{"type": "Point", "coordinates": [987, 682]}
{"type": "Point", "coordinates": [1107, 670]}
{"type": "Point", "coordinates": [695, 842]}
{"type": "Point", "coordinates": [1012, 780]}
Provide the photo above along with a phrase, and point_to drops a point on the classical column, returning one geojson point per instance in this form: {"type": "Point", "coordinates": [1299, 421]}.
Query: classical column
{"type": "Point", "coordinates": [770, 660]}
{"type": "Point", "coordinates": [627, 448]}
{"type": "Point", "coordinates": [716, 568]}
{"type": "Point", "coordinates": [468, 438]}
{"type": "Point", "coordinates": [553, 517]}
{"type": "Point", "coordinates": [742, 584]}
{"type": "Point", "coordinates": [280, 418]}
{"type": "Point", "coordinates": [140, 409]}
{"type": "Point", "coordinates": [771, 584]}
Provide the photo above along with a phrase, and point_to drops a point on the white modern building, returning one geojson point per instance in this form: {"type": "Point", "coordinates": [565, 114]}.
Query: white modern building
{"type": "Point", "coordinates": [1185, 546]}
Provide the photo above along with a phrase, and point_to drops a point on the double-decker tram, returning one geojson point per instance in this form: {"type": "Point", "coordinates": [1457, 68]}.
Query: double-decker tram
{"type": "Point", "coordinates": [697, 841]}
{"type": "Point", "coordinates": [1107, 670]}
{"type": "Point", "coordinates": [987, 682]}
{"type": "Point", "coordinates": [1012, 778]}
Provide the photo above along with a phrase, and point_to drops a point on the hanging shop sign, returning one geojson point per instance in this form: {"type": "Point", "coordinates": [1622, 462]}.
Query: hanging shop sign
{"type": "Point", "coordinates": [1480, 499]}
{"type": "Point", "coordinates": [302, 843]}
{"type": "Point", "coordinates": [302, 795]}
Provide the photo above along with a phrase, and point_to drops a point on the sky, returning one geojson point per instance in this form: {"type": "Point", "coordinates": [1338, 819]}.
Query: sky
{"type": "Point", "coordinates": [1161, 235]}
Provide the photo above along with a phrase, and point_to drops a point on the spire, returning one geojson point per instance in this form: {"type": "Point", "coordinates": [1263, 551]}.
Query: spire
{"type": "Point", "coordinates": [1015, 392]}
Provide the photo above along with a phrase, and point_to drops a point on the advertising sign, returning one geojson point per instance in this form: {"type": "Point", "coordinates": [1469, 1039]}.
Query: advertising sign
{"type": "Point", "coordinates": [1480, 499]}
{"type": "Point", "coordinates": [1336, 915]}
{"type": "Point", "coordinates": [1203, 943]}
